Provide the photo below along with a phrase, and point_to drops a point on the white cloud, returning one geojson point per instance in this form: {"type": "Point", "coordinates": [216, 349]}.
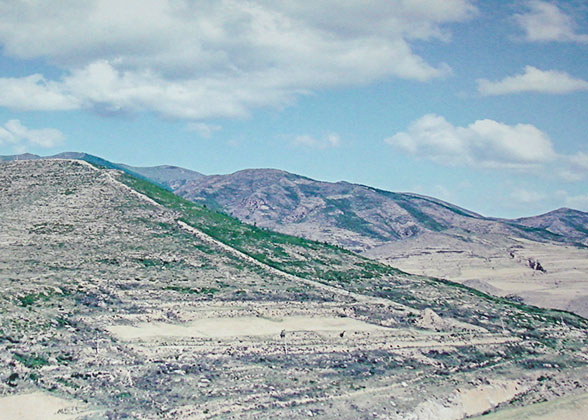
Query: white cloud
{"type": "Point", "coordinates": [484, 143]}
{"type": "Point", "coordinates": [490, 144]}
{"type": "Point", "coordinates": [533, 80]}
{"type": "Point", "coordinates": [438, 191]}
{"type": "Point", "coordinates": [575, 167]}
{"type": "Point", "coordinates": [327, 141]}
{"type": "Point", "coordinates": [201, 59]}
{"type": "Point", "coordinates": [35, 93]}
{"type": "Point", "coordinates": [544, 21]}
{"type": "Point", "coordinates": [204, 130]}
{"type": "Point", "coordinates": [6, 137]}
{"type": "Point", "coordinates": [13, 132]}
{"type": "Point", "coordinates": [580, 161]}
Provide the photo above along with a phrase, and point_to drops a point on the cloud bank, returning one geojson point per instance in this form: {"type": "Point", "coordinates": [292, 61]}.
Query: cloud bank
{"type": "Point", "coordinates": [325, 142]}
{"type": "Point", "coordinates": [15, 133]}
{"type": "Point", "coordinates": [204, 130]}
{"type": "Point", "coordinates": [533, 80]}
{"type": "Point", "coordinates": [544, 21]}
{"type": "Point", "coordinates": [201, 59]}
{"type": "Point", "coordinates": [484, 143]}
{"type": "Point", "coordinates": [489, 144]}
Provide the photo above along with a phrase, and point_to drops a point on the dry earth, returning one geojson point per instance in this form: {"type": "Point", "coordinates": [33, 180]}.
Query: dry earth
{"type": "Point", "coordinates": [500, 266]}
{"type": "Point", "coordinates": [572, 408]}
{"type": "Point", "coordinates": [39, 406]}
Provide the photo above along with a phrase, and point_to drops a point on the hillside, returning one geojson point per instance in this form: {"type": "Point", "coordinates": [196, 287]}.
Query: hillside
{"type": "Point", "coordinates": [122, 300]}
{"type": "Point", "coordinates": [172, 177]}
{"type": "Point", "coordinates": [353, 216]}
{"type": "Point", "coordinates": [164, 175]}
{"type": "Point", "coordinates": [418, 234]}
{"type": "Point", "coordinates": [570, 223]}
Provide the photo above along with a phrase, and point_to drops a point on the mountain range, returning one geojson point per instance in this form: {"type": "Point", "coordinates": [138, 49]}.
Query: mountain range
{"type": "Point", "coordinates": [353, 216]}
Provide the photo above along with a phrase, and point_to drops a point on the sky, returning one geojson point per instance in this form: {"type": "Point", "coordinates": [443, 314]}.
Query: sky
{"type": "Point", "coordinates": [480, 103]}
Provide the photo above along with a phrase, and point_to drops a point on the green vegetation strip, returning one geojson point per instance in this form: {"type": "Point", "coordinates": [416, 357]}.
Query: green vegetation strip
{"type": "Point", "coordinates": [336, 266]}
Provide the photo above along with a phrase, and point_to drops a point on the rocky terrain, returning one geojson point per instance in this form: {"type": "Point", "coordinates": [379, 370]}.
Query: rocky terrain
{"type": "Point", "coordinates": [120, 300]}
{"type": "Point", "coordinates": [172, 177]}
{"type": "Point", "coordinates": [546, 274]}
{"type": "Point", "coordinates": [353, 216]}
{"type": "Point", "coordinates": [418, 234]}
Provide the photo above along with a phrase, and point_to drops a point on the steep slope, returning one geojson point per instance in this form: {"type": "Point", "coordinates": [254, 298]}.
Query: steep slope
{"type": "Point", "coordinates": [546, 274]}
{"type": "Point", "coordinates": [354, 216]}
{"type": "Point", "coordinates": [418, 234]}
{"type": "Point", "coordinates": [165, 175]}
{"type": "Point", "coordinates": [135, 303]}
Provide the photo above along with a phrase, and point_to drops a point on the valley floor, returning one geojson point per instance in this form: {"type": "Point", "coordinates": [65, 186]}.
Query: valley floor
{"type": "Point", "coordinates": [501, 267]}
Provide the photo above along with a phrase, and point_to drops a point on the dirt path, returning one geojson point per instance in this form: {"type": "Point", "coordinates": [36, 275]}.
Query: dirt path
{"type": "Point", "coordinates": [574, 407]}
{"type": "Point", "coordinates": [335, 290]}
{"type": "Point", "coordinates": [252, 402]}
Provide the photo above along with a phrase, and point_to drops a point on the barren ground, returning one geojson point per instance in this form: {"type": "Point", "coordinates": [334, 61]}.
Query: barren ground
{"type": "Point", "coordinates": [501, 269]}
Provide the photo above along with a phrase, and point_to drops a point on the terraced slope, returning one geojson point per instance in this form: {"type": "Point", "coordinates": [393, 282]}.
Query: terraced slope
{"type": "Point", "coordinates": [130, 302]}
{"type": "Point", "coordinates": [353, 216]}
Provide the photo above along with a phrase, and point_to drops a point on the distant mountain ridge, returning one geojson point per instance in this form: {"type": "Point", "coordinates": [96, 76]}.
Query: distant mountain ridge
{"type": "Point", "coordinates": [164, 175]}
{"type": "Point", "coordinates": [172, 177]}
{"type": "Point", "coordinates": [353, 216]}
{"type": "Point", "coordinates": [564, 221]}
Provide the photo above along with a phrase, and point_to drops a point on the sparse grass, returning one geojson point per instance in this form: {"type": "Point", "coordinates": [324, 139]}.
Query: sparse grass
{"type": "Point", "coordinates": [193, 291]}
{"type": "Point", "coordinates": [290, 254]}
{"type": "Point", "coordinates": [30, 299]}
{"type": "Point", "coordinates": [120, 275]}
{"type": "Point", "coordinates": [31, 361]}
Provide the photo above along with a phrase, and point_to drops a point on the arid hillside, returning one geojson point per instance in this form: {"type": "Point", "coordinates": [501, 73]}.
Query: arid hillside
{"type": "Point", "coordinates": [121, 300]}
{"type": "Point", "coordinates": [541, 260]}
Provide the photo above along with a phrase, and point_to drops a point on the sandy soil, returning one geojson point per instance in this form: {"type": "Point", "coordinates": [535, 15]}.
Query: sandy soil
{"type": "Point", "coordinates": [37, 406]}
{"type": "Point", "coordinates": [239, 327]}
{"type": "Point", "coordinates": [468, 401]}
{"type": "Point", "coordinates": [500, 270]}
{"type": "Point", "coordinates": [575, 407]}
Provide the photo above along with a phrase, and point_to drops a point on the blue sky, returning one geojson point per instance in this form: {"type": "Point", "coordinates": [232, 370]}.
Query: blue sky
{"type": "Point", "coordinates": [483, 104]}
